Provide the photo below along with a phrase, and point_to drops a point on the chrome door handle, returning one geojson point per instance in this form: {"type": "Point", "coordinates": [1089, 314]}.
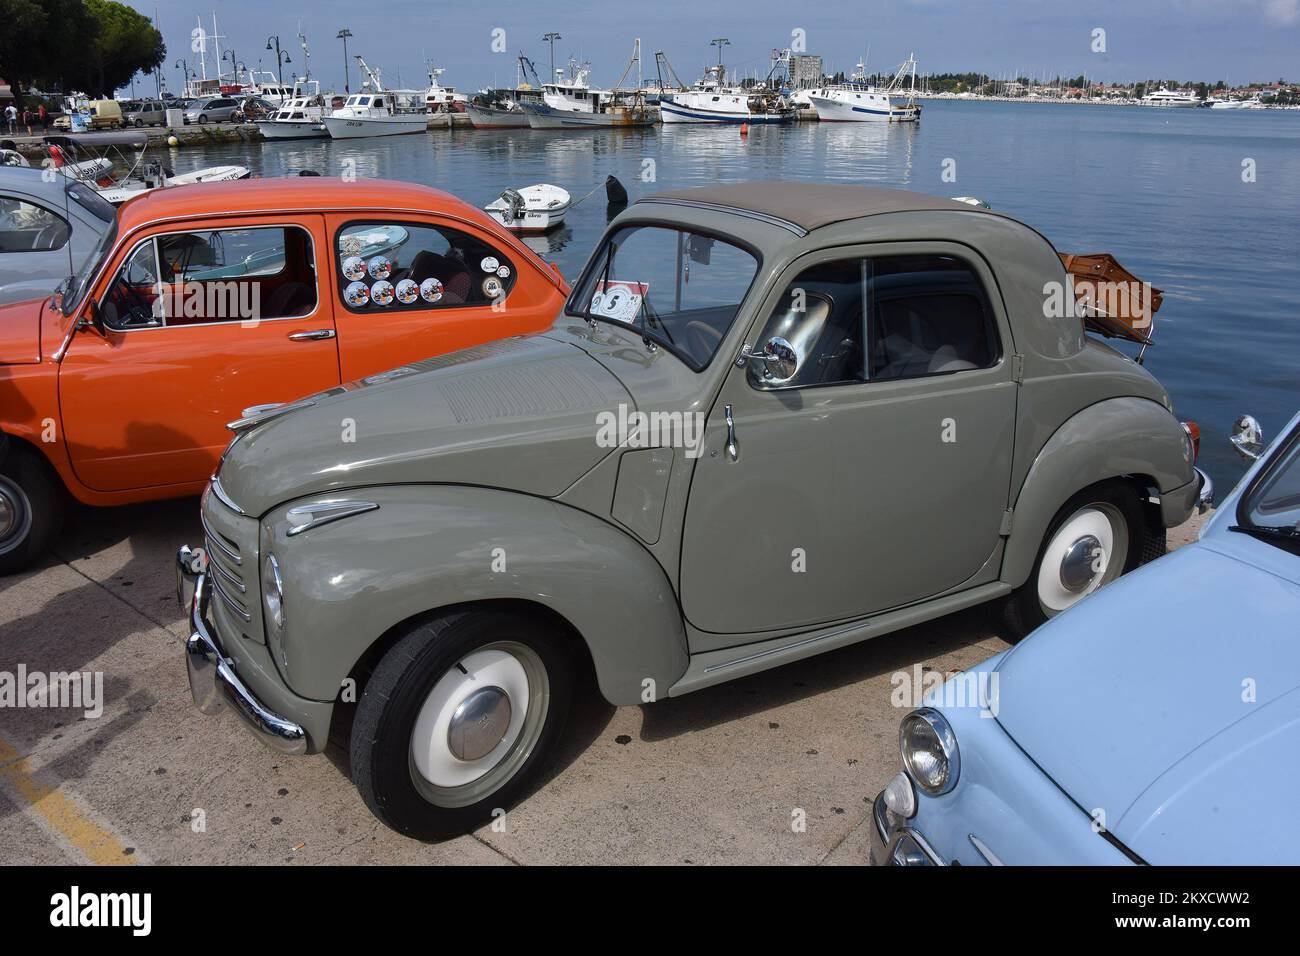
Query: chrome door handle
{"type": "Point", "coordinates": [731, 433]}
{"type": "Point", "coordinates": [311, 336]}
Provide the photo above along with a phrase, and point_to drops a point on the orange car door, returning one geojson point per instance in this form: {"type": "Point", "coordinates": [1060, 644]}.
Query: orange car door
{"type": "Point", "coordinates": [407, 288]}
{"type": "Point", "coordinates": [198, 323]}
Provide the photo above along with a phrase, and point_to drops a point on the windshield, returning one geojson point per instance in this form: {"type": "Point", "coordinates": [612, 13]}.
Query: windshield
{"type": "Point", "coordinates": [77, 288]}
{"type": "Point", "coordinates": [1272, 505]}
{"type": "Point", "coordinates": [679, 288]}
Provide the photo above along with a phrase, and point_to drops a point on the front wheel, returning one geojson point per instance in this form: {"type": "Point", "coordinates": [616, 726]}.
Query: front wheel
{"type": "Point", "coordinates": [457, 719]}
{"type": "Point", "coordinates": [1097, 535]}
{"type": "Point", "coordinates": [202, 119]}
{"type": "Point", "coordinates": [31, 508]}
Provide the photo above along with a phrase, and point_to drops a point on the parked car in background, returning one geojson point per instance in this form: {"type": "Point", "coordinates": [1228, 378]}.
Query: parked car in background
{"type": "Point", "coordinates": [202, 301]}
{"type": "Point", "coordinates": [773, 419]}
{"type": "Point", "coordinates": [146, 113]}
{"type": "Point", "coordinates": [1152, 724]}
{"type": "Point", "coordinates": [47, 231]}
{"type": "Point", "coordinates": [214, 109]}
{"type": "Point", "coordinates": [252, 108]}
{"type": "Point", "coordinates": [103, 114]}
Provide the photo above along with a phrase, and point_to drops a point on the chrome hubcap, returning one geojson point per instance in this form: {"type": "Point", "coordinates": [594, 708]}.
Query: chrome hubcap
{"type": "Point", "coordinates": [15, 516]}
{"type": "Point", "coordinates": [479, 723]}
{"type": "Point", "coordinates": [1077, 564]}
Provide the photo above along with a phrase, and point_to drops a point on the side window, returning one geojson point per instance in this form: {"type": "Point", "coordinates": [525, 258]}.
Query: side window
{"type": "Point", "coordinates": [26, 227]}
{"type": "Point", "coordinates": [223, 275]}
{"type": "Point", "coordinates": [398, 266]}
{"type": "Point", "coordinates": [871, 319]}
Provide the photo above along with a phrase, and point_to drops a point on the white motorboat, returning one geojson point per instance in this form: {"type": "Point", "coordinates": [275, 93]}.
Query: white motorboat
{"type": "Point", "coordinates": [86, 169]}
{"type": "Point", "coordinates": [84, 155]}
{"type": "Point", "coordinates": [377, 111]}
{"type": "Point", "coordinates": [1171, 98]}
{"type": "Point", "coordinates": [442, 99]}
{"type": "Point", "coordinates": [572, 104]}
{"type": "Point", "coordinates": [301, 117]}
{"type": "Point", "coordinates": [532, 209]}
{"type": "Point", "coordinates": [710, 100]}
{"type": "Point", "coordinates": [859, 102]}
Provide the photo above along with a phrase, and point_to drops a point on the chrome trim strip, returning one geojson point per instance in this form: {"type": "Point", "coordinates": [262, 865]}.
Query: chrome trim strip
{"type": "Point", "coordinates": [1205, 494]}
{"type": "Point", "coordinates": [225, 498]}
{"type": "Point", "coordinates": [984, 851]}
{"type": "Point", "coordinates": [323, 512]}
{"type": "Point", "coordinates": [786, 224]}
{"type": "Point", "coordinates": [216, 539]}
{"type": "Point", "coordinates": [270, 414]}
{"type": "Point", "coordinates": [231, 603]}
{"type": "Point", "coordinates": [230, 578]}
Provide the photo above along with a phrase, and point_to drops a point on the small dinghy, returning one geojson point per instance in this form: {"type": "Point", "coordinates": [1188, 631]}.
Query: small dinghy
{"type": "Point", "coordinates": [532, 209]}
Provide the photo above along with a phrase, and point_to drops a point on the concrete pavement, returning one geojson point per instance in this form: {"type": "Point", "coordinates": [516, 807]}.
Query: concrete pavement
{"type": "Point", "coordinates": [721, 776]}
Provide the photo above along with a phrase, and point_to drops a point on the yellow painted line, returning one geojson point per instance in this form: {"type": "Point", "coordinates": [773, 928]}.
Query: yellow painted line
{"type": "Point", "coordinates": [60, 811]}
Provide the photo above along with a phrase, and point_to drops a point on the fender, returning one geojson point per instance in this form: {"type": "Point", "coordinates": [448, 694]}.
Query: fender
{"type": "Point", "coordinates": [1113, 438]}
{"type": "Point", "coordinates": [433, 546]}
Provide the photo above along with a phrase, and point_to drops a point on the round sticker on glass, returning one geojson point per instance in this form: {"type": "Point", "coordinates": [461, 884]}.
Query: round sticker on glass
{"type": "Point", "coordinates": [380, 267]}
{"type": "Point", "coordinates": [381, 293]}
{"type": "Point", "coordinates": [357, 294]}
{"type": "Point", "coordinates": [489, 264]}
{"type": "Point", "coordinates": [491, 287]}
{"type": "Point", "coordinates": [503, 272]}
{"type": "Point", "coordinates": [354, 267]}
{"type": "Point", "coordinates": [408, 290]}
{"type": "Point", "coordinates": [431, 290]}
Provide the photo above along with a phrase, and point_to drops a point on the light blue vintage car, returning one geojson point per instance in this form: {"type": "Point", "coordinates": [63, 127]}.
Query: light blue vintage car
{"type": "Point", "coordinates": [1155, 722]}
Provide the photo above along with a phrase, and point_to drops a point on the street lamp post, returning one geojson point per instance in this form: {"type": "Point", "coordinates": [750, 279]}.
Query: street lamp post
{"type": "Point", "coordinates": [234, 64]}
{"type": "Point", "coordinates": [279, 69]}
{"type": "Point", "coordinates": [551, 38]}
{"type": "Point", "coordinates": [347, 76]}
{"type": "Point", "coordinates": [185, 74]}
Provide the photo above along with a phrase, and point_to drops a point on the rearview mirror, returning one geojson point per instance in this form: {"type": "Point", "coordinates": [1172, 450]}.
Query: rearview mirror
{"type": "Point", "coordinates": [1247, 437]}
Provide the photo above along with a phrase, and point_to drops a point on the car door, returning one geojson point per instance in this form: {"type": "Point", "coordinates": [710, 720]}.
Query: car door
{"type": "Point", "coordinates": [198, 323]}
{"type": "Point", "coordinates": [408, 288]}
{"type": "Point", "coordinates": [877, 475]}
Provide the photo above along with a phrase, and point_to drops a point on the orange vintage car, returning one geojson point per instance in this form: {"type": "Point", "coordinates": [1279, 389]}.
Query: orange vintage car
{"type": "Point", "coordinates": [205, 300]}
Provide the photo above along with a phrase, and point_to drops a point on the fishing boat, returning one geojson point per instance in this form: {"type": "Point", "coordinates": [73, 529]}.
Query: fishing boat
{"type": "Point", "coordinates": [502, 108]}
{"type": "Point", "coordinates": [711, 100]}
{"type": "Point", "coordinates": [572, 104]}
{"type": "Point", "coordinates": [86, 153]}
{"type": "Point", "coordinates": [301, 117]}
{"type": "Point", "coordinates": [377, 111]}
{"type": "Point", "coordinates": [442, 99]}
{"type": "Point", "coordinates": [532, 209]}
{"type": "Point", "coordinates": [857, 101]}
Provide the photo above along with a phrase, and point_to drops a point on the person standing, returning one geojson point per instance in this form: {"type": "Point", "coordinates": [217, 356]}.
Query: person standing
{"type": "Point", "coordinates": [45, 118]}
{"type": "Point", "coordinates": [28, 116]}
{"type": "Point", "coordinates": [11, 120]}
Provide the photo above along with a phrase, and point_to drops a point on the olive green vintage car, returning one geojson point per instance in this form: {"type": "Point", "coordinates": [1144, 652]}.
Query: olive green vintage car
{"type": "Point", "coordinates": [772, 420]}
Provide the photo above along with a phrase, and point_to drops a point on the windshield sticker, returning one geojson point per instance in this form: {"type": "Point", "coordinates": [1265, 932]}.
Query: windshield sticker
{"type": "Point", "coordinates": [618, 299]}
{"type": "Point", "coordinates": [503, 272]}
{"type": "Point", "coordinates": [381, 293]}
{"type": "Point", "coordinates": [357, 294]}
{"type": "Point", "coordinates": [380, 267]}
{"type": "Point", "coordinates": [354, 267]}
{"type": "Point", "coordinates": [407, 291]}
{"type": "Point", "coordinates": [489, 264]}
{"type": "Point", "coordinates": [492, 287]}
{"type": "Point", "coordinates": [431, 290]}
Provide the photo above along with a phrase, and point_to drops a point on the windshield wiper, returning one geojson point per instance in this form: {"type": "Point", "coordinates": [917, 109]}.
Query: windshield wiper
{"type": "Point", "coordinates": [1283, 535]}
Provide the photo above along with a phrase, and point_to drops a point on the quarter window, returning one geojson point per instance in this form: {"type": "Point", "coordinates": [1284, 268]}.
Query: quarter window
{"type": "Point", "coordinates": [871, 319]}
{"type": "Point", "coordinates": [399, 266]}
{"type": "Point", "coordinates": [26, 227]}
{"type": "Point", "coordinates": [223, 275]}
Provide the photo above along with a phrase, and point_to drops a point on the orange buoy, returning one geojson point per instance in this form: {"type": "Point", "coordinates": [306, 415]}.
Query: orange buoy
{"type": "Point", "coordinates": [744, 129]}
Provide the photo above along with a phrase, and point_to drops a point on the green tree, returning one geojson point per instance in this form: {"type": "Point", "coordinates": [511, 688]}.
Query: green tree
{"type": "Point", "coordinates": [37, 36]}
{"type": "Point", "coordinates": [124, 43]}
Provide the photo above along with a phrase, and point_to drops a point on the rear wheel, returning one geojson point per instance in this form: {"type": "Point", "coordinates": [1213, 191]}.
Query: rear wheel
{"type": "Point", "coordinates": [31, 508]}
{"type": "Point", "coordinates": [458, 718]}
{"type": "Point", "coordinates": [1097, 535]}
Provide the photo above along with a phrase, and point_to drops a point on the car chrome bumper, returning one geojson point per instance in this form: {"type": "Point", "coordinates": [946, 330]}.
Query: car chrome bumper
{"type": "Point", "coordinates": [895, 844]}
{"type": "Point", "coordinates": [1204, 492]}
{"type": "Point", "coordinates": [213, 680]}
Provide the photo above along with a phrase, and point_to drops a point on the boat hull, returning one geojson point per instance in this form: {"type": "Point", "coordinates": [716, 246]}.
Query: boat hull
{"type": "Point", "coordinates": [493, 117]}
{"type": "Point", "coordinates": [344, 128]}
{"type": "Point", "coordinates": [678, 113]}
{"type": "Point", "coordinates": [541, 116]}
{"type": "Point", "coordinates": [839, 111]}
{"type": "Point", "coordinates": [292, 129]}
{"type": "Point", "coordinates": [532, 223]}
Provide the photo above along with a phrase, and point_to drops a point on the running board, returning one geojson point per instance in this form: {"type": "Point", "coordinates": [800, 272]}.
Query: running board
{"type": "Point", "coordinates": [716, 667]}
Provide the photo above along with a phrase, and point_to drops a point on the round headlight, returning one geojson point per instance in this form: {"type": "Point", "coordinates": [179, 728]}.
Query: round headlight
{"type": "Point", "coordinates": [273, 592]}
{"type": "Point", "coordinates": [929, 749]}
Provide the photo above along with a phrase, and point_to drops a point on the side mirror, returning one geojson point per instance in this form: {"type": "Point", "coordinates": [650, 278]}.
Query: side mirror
{"type": "Point", "coordinates": [1247, 438]}
{"type": "Point", "coordinates": [779, 359]}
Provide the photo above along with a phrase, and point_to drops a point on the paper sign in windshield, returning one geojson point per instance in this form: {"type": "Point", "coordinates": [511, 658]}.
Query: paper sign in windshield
{"type": "Point", "coordinates": [619, 299]}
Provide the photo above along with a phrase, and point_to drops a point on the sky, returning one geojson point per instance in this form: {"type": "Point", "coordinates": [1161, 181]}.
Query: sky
{"type": "Point", "coordinates": [1236, 40]}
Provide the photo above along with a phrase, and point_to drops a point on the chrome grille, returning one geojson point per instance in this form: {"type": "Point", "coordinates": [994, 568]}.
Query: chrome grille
{"type": "Point", "coordinates": [229, 563]}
